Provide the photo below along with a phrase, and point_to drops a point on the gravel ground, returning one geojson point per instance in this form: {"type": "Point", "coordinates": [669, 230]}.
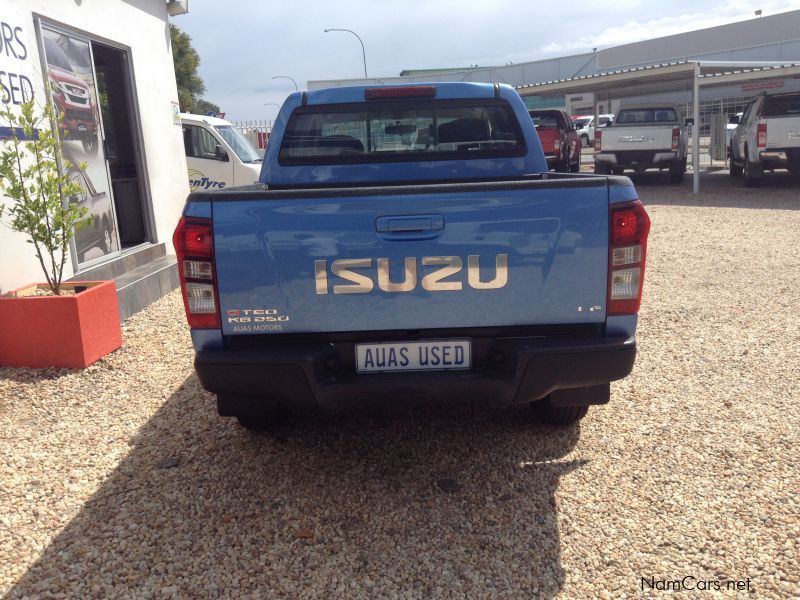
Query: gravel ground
{"type": "Point", "coordinates": [121, 481]}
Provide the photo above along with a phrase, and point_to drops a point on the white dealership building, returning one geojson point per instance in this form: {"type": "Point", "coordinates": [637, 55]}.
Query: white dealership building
{"type": "Point", "coordinates": [109, 67]}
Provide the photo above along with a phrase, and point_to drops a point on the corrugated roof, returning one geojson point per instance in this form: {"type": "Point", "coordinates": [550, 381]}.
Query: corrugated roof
{"type": "Point", "coordinates": [707, 69]}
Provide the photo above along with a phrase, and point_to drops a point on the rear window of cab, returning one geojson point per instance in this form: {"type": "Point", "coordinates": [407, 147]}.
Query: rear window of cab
{"type": "Point", "coordinates": [649, 115]}
{"type": "Point", "coordinates": [401, 131]}
{"type": "Point", "coordinates": [781, 106]}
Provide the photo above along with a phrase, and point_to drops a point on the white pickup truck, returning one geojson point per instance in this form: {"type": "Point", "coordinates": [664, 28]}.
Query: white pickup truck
{"type": "Point", "coordinates": [643, 136]}
{"type": "Point", "coordinates": [767, 138]}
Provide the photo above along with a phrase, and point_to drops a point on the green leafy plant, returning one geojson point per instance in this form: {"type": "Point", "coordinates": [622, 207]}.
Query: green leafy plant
{"type": "Point", "coordinates": [40, 191]}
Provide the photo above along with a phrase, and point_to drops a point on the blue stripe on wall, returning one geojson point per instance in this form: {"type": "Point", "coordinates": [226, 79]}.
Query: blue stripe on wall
{"type": "Point", "coordinates": [5, 133]}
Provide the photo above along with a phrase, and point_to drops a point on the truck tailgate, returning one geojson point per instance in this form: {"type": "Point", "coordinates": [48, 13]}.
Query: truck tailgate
{"type": "Point", "coordinates": [550, 138]}
{"type": "Point", "coordinates": [636, 138]}
{"type": "Point", "coordinates": [783, 132]}
{"type": "Point", "coordinates": [412, 257]}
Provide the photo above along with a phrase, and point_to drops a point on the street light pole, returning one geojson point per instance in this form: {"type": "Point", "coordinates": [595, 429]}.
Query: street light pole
{"type": "Point", "coordinates": [286, 77]}
{"type": "Point", "coordinates": [363, 52]}
{"type": "Point", "coordinates": [273, 104]}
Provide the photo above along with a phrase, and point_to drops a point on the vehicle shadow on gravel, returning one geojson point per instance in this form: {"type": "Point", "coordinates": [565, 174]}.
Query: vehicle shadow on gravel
{"type": "Point", "coordinates": [433, 501]}
{"type": "Point", "coordinates": [32, 376]}
{"type": "Point", "coordinates": [778, 190]}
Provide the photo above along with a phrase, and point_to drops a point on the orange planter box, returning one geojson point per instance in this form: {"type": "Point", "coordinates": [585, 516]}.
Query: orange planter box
{"type": "Point", "coordinates": [59, 331]}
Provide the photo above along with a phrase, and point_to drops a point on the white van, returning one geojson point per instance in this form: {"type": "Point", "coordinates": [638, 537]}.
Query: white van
{"type": "Point", "coordinates": [217, 154]}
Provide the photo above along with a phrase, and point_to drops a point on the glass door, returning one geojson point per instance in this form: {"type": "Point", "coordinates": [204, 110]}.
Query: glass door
{"type": "Point", "coordinates": [74, 93]}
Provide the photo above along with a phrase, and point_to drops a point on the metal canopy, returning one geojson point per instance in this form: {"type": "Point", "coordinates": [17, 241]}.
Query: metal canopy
{"type": "Point", "coordinates": [686, 76]}
{"type": "Point", "coordinates": [674, 76]}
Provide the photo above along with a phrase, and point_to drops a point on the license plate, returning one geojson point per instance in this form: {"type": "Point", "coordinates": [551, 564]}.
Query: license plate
{"type": "Point", "coordinates": [82, 128]}
{"type": "Point", "coordinates": [428, 355]}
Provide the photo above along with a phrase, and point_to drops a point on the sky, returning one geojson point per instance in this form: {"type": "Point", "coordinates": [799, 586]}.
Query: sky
{"type": "Point", "coordinates": [243, 44]}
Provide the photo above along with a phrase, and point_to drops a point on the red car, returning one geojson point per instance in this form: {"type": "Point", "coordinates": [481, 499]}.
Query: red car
{"type": "Point", "coordinates": [560, 142]}
{"type": "Point", "coordinates": [72, 97]}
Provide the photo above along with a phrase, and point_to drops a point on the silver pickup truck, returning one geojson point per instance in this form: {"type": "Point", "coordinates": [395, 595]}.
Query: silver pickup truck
{"type": "Point", "coordinates": [767, 138]}
{"type": "Point", "coordinates": [643, 136]}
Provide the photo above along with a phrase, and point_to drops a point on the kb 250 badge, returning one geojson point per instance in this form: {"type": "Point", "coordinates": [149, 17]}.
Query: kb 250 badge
{"type": "Point", "coordinates": [255, 315]}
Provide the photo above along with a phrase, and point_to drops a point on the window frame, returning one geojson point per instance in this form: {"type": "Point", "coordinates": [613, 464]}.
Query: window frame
{"type": "Point", "coordinates": [212, 136]}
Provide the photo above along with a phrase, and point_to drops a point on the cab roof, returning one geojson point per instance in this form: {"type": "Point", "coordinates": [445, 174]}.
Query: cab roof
{"type": "Point", "coordinates": [213, 121]}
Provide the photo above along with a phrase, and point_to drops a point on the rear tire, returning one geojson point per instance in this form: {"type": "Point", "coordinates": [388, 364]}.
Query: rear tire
{"type": "Point", "coordinates": [107, 240]}
{"type": "Point", "coordinates": [601, 169]}
{"type": "Point", "coordinates": [750, 177]}
{"type": "Point", "coordinates": [254, 423]}
{"type": "Point", "coordinates": [89, 143]}
{"type": "Point", "coordinates": [733, 169]}
{"type": "Point", "coordinates": [559, 415]}
{"type": "Point", "coordinates": [576, 168]}
{"type": "Point", "coordinates": [264, 422]}
{"type": "Point", "coordinates": [676, 171]}
{"type": "Point", "coordinates": [253, 413]}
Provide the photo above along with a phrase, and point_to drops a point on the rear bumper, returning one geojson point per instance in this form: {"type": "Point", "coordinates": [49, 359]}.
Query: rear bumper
{"type": "Point", "coordinates": [312, 375]}
{"type": "Point", "coordinates": [79, 126]}
{"type": "Point", "coordinates": [780, 158]}
{"type": "Point", "coordinates": [637, 158]}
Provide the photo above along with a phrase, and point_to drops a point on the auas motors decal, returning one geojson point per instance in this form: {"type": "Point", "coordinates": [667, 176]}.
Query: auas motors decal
{"type": "Point", "coordinates": [198, 181]}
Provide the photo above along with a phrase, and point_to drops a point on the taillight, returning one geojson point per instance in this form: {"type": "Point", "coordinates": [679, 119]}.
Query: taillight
{"type": "Point", "coordinates": [557, 145]}
{"type": "Point", "coordinates": [676, 137]}
{"type": "Point", "coordinates": [598, 140]}
{"type": "Point", "coordinates": [400, 91]}
{"type": "Point", "coordinates": [626, 256]}
{"type": "Point", "coordinates": [761, 135]}
{"type": "Point", "coordinates": [194, 245]}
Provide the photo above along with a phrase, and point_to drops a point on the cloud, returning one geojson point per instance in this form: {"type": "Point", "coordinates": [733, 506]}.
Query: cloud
{"type": "Point", "coordinates": [639, 30]}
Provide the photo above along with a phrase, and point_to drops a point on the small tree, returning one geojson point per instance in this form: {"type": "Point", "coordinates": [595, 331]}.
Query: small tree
{"type": "Point", "coordinates": [190, 85]}
{"type": "Point", "coordinates": [39, 191]}
{"type": "Point", "coordinates": [203, 107]}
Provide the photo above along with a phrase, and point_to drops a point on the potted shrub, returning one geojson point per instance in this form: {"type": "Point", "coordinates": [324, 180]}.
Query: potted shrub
{"type": "Point", "coordinates": [52, 324]}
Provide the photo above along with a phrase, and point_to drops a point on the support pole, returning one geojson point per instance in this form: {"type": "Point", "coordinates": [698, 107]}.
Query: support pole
{"type": "Point", "coordinates": [696, 129]}
{"type": "Point", "coordinates": [596, 122]}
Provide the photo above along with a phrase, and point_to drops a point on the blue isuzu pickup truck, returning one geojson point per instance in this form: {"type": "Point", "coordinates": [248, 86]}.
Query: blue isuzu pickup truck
{"type": "Point", "coordinates": [408, 243]}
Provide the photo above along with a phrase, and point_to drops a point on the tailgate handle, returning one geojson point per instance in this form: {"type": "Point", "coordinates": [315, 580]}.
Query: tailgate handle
{"type": "Point", "coordinates": [409, 223]}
